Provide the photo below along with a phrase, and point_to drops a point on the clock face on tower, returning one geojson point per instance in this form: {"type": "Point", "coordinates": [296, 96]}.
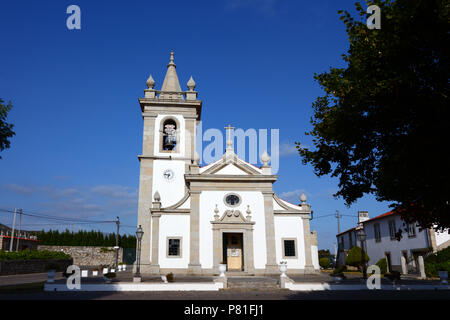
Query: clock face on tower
{"type": "Point", "coordinates": [168, 174]}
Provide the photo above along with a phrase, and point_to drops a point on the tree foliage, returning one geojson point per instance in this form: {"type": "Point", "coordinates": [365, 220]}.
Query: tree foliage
{"type": "Point", "coordinates": [5, 128]}
{"type": "Point", "coordinates": [84, 238]}
{"type": "Point", "coordinates": [381, 126]}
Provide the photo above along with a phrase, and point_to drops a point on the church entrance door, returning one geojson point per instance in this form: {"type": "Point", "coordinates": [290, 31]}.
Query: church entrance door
{"type": "Point", "coordinates": [233, 251]}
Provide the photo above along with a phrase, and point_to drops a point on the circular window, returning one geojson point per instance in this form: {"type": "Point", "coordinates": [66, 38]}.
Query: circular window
{"type": "Point", "coordinates": [232, 200]}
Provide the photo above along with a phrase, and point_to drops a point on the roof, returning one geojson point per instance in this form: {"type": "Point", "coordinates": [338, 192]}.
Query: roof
{"type": "Point", "coordinates": [387, 214]}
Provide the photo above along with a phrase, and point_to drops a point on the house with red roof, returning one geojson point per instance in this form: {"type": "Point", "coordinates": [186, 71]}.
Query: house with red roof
{"type": "Point", "coordinates": [389, 236]}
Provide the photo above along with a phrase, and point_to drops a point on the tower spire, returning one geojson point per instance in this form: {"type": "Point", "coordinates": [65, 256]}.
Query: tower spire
{"type": "Point", "coordinates": [171, 86]}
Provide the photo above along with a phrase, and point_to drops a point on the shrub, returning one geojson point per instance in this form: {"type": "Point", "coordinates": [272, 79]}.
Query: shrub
{"type": "Point", "coordinates": [354, 257]}
{"type": "Point", "coordinates": [382, 264]}
{"type": "Point", "coordinates": [110, 275]}
{"type": "Point", "coordinates": [33, 254]}
{"type": "Point", "coordinates": [439, 261]}
{"type": "Point", "coordinates": [324, 262]}
{"type": "Point", "coordinates": [339, 270]}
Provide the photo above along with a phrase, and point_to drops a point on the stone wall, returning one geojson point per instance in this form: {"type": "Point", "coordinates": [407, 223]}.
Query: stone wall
{"type": "Point", "coordinates": [87, 256]}
{"type": "Point", "coordinates": [8, 267]}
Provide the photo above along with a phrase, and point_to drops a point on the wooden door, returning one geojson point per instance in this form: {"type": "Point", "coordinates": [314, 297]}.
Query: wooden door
{"type": "Point", "coordinates": [234, 251]}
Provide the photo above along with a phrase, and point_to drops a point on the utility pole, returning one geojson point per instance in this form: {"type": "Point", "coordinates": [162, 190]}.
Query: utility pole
{"type": "Point", "coordinates": [12, 233]}
{"type": "Point", "coordinates": [117, 243]}
{"type": "Point", "coordinates": [338, 216]}
{"type": "Point", "coordinates": [20, 229]}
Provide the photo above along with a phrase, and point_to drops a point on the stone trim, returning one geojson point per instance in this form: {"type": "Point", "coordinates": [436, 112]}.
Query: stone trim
{"type": "Point", "coordinates": [194, 234]}
{"type": "Point", "coordinates": [283, 248]}
{"type": "Point", "coordinates": [307, 235]}
{"type": "Point", "coordinates": [232, 194]}
{"type": "Point", "coordinates": [154, 265]}
{"type": "Point", "coordinates": [230, 177]}
{"type": "Point", "coordinates": [222, 163]}
{"type": "Point", "coordinates": [289, 209]}
{"type": "Point", "coordinates": [181, 247]}
{"type": "Point", "coordinates": [179, 203]}
{"type": "Point", "coordinates": [161, 134]}
{"type": "Point", "coordinates": [271, 264]}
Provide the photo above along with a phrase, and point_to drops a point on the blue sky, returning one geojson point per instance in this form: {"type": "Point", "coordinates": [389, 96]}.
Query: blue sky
{"type": "Point", "coordinates": [76, 115]}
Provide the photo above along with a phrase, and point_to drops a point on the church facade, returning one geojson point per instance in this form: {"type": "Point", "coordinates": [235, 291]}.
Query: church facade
{"type": "Point", "coordinates": [195, 218]}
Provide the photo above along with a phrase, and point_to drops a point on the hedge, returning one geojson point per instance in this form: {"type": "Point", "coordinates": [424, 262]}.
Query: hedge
{"type": "Point", "coordinates": [33, 254]}
{"type": "Point", "coordinates": [439, 261]}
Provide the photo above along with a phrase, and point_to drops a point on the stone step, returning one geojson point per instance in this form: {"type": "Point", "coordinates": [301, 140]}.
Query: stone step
{"type": "Point", "coordinates": [253, 283]}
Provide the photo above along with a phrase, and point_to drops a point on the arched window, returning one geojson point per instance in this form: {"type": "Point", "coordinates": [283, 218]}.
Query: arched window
{"type": "Point", "coordinates": [169, 135]}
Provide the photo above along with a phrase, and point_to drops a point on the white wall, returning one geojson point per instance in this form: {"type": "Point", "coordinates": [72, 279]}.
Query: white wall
{"type": "Point", "coordinates": [208, 201]}
{"type": "Point", "coordinates": [290, 227]}
{"type": "Point", "coordinates": [442, 237]}
{"type": "Point", "coordinates": [170, 191]}
{"type": "Point", "coordinates": [376, 250]}
{"type": "Point", "coordinates": [174, 226]}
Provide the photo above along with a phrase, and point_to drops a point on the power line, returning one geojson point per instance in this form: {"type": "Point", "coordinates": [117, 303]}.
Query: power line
{"type": "Point", "coordinates": [49, 217]}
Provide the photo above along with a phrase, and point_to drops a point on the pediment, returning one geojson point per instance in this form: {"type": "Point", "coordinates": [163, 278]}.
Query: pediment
{"type": "Point", "coordinates": [231, 166]}
{"type": "Point", "coordinates": [232, 216]}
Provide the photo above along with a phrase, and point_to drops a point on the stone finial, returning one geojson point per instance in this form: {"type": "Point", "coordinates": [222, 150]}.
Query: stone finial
{"type": "Point", "coordinates": [157, 197]}
{"type": "Point", "coordinates": [303, 198]}
{"type": "Point", "coordinates": [191, 84]}
{"type": "Point", "coordinates": [150, 82]}
{"type": "Point", "coordinates": [196, 158]}
{"type": "Point", "coordinates": [249, 212]}
{"type": "Point", "coordinates": [216, 213]}
{"type": "Point", "coordinates": [229, 138]}
{"type": "Point", "coordinates": [265, 159]}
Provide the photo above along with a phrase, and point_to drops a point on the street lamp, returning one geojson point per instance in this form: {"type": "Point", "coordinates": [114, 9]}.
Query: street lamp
{"type": "Point", "coordinates": [362, 238]}
{"type": "Point", "coordinates": [139, 234]}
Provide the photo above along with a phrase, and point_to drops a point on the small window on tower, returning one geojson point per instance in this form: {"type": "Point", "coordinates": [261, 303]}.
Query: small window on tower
{"type": "Point", "coordinates": [169, 142]}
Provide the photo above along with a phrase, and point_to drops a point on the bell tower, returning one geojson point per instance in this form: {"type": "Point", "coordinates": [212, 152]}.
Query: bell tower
{"type": "Point", "coordinates": [170, 116]}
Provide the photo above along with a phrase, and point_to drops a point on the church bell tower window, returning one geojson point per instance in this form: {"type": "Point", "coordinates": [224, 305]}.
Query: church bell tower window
{"type": "Point", "coordinates": [169, 135]}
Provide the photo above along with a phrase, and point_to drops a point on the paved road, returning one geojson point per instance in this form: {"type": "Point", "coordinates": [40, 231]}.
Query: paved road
{"type": "Point", "coordinates": [26, 278]}
{"type": "Point", "coordinates": [231, 294]}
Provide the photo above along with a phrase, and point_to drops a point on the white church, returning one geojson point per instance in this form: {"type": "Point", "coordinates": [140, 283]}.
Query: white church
{"type": "Point", "coordinates": [195, 218]}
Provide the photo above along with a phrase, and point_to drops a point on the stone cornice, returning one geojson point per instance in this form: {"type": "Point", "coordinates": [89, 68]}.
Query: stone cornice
{"type": "Point", "coordinates": [230, 177]}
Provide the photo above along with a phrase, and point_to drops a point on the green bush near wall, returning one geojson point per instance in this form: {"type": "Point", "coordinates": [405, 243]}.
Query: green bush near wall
{"type": "Point", "coordinates": [439, 261]}
{"type": "Point", "coordinates": [33, 254]}
{"type": "Point", "coordinates": [354, 257]}
{"type": "Point", "coordinates": [382, 264]}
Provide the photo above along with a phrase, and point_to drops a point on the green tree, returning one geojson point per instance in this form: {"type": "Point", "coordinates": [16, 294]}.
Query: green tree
{"type": "Point", "coordinates": [6, 131]}
{"type": "Point", "coordinates": [381, 126]}
{"type": "Point", "coordinates": [324, 262]}
{"type": "Point", "coordinates": [354, 257]}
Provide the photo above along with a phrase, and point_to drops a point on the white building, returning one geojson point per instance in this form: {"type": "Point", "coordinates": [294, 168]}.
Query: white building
{"type": "Point", "coordinates": [195, 218]}
{"type": "Point", "coordinates": [388, 236]}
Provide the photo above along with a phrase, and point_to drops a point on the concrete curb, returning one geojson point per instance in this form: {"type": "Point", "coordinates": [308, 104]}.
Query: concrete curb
{"type": "Point", "coordinates": [353, 287]}
{"type": "Point", "coordinates": [199, 286]}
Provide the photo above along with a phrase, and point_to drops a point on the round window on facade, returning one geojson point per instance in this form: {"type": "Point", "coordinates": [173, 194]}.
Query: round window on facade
{"type": "Point", "coordinates": [232, 200]}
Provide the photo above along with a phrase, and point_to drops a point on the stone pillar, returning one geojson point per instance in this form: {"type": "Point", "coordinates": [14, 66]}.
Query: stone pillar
{"type": "Point", "coordinates": [145, 189]}
{"type": "Point", "coordinates": [422, 267]}
{"type": "Point", "coordinates": [309, 238]}
{"type": "Point", "coordinates": [249, 264]}
{"type": "Point", "coordinates": [154, 266]}
{"type": "Point", "coordinates": [217, 248]}
{"type": "Point", "coordinates": [271, 264]}
{"type": "Point", "coordinates": [404, 267]}
{"type": "Point", "coordinates": [194, 266]}
{"type": "Point", "coordinates": [144, 205]}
